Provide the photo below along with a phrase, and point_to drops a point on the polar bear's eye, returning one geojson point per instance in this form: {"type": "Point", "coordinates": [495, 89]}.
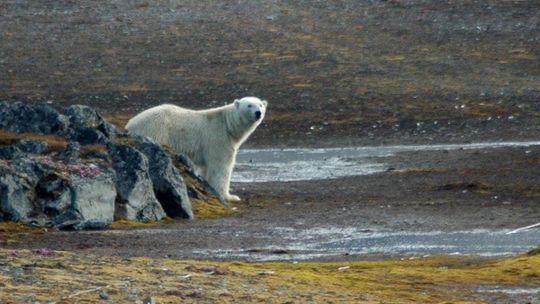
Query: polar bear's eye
{"type": "Point", "coordinates": [249, 106]}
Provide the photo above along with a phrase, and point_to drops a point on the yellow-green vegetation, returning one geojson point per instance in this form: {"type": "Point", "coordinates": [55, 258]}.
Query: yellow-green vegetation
{"type": "Point", "coordinates": [12, 227]}
{"type": "Point", "coordinates": [205, 205]}
{"type": "Point", "coordinates": [56, 143]}
{"type": "Point", "coordinates": [124, 140]}
{"type": "Point", "coordinates": [210, 209]}
{"type": "Point", "coordinates": [130, 224]}
{"type": "Point", "coordinates": [9, 231]}
{"type": "Point", "coordinates": [64, 277]}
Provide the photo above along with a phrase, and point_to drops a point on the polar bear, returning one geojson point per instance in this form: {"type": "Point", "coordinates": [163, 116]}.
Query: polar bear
{"type": "Point", "coordinates": [210, 138]}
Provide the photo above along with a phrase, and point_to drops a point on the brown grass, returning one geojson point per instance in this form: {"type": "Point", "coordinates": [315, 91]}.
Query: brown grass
{"type": "Point", "coordinates": [119, 119]}
{"type": "Point", "coordinates": [56, 143]}
{"type": "Point", "coordinates": [87, 149]}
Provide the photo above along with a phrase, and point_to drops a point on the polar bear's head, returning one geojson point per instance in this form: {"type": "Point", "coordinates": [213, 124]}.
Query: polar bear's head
{"type": "Point", "coordinates": [251, 107]}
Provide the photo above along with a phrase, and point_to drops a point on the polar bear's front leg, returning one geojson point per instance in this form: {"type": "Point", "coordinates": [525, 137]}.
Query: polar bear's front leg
{"type": "Point", "coordinates": [218, 174]}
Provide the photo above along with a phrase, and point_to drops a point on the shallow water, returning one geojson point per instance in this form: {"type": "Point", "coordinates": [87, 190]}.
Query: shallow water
{"type": "Point", "coordinates": [296, 244]}
{"type": "Point", "coordinates": [282, 165]}
{"type": "Point", "coordinates": [336, 241]}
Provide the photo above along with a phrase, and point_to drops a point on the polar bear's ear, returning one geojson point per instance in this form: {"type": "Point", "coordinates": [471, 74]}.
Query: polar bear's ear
{"type": "Point", "coordinates": [265, 103]}
{"type": "Point", "coordinates": [237, 103]}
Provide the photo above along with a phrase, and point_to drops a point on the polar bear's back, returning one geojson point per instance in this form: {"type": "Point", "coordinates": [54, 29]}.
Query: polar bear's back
{"type": "Point", "coordinates": [168, 124]}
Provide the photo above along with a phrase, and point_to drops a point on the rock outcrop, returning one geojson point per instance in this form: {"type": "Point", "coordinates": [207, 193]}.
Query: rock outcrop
{"type": "Point", "coordinates": [76, 171]}
{"type": "Point", "coordinates": [136, 197]}
{"type": "Point", "coordinates": [39, 118]}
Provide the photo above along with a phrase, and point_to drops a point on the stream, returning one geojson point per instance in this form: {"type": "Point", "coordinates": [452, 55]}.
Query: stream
{"type": "Point", "coordinates": [282, 165]}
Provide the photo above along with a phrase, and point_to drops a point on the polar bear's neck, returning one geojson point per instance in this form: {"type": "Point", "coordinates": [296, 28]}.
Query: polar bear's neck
{"type": "Point", "coordinates": [237, 126]}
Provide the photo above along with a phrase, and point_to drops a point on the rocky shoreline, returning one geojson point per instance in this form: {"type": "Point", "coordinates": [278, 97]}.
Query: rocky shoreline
{"type": "Point", "coordinates": [74, 170]}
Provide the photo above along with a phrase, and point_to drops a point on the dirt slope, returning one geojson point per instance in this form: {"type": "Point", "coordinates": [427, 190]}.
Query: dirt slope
{"type": "Point", "coordinates": [360, 71]}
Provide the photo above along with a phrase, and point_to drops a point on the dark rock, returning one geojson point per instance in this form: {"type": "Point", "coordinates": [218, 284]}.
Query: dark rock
{"type": "Point", "coordinates": [32, 146]}
{"type": "Point", "coordinates": [53, 191]}
{"type": "Point", "coordinates": [88, 136]}
{"type": "Point", "coordinates": [17, 188]}
{"type": "Point", "coordinates": [37, 118]}
{"type": "Point", "coordinates": [113, 176]}
{"type": "Point", "coordinates": [16, 194]}
{"type": "Point", "coordinates": [10, 152]}
{"type": "Point", "coordinates": [136, 199]}
{"type": "Point", "coordinates": [148, 300]}
{"type": "Point", "coordinates": [168, 184]}
{"type": "Point", "coordinates": [103, 295]}
{"type": "Point", "coordinates": [71, 152]}
{"type": "Point", "coordinates": [30, 167]}
{"type": "Point", "coordinates": [85, 117]}
{"type": "Point", "coordinates": [47, 192]}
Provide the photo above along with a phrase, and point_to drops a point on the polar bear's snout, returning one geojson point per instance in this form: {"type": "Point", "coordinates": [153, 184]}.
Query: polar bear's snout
{"type": "Point", "coordinates": [252, 108]}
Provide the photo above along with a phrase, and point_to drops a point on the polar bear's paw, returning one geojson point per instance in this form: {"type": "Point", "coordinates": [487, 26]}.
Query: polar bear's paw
{"type": "Point", "coordinates": [233, 198]}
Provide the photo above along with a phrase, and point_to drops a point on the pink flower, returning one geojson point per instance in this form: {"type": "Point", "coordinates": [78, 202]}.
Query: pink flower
{"type": "Point", "coordinates": [43, 251]}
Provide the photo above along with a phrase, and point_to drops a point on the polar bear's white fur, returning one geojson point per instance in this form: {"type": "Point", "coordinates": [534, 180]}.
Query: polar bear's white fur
{"type": "Point", "coordinates": [210, 138]}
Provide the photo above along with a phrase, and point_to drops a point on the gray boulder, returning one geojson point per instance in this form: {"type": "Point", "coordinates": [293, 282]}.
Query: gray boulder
{"type": "Point", "coordinates": [169, 185]}
{"type": "Point", "coordinates": [101, 175]}
{"type": "Point", "coordinates": [18, 180]}
{"type": "Point", "coordinates": [53, 192]}
{"type": "Point", "coordinates": [16, 194]}
{"type": "Point", "coordinates": [84, 117]}
{"type": "Point", "coordinates": [75, 201]}
{"type": "Point", "coordinates": [37, 118]}
{"type": "Point", "coordinates": [48, 192]}
{"type": "Point", "coordinates": [92, 202]}
{"type": "Point", "coordinates": [88, 136]}
{"type": "Point", "coordinates": [88, 127]}
{"type": "Point", "coordinates": [136, 199]}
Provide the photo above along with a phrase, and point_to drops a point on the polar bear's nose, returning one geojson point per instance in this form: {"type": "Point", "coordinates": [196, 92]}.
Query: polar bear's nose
{"type": "Point", "coordinates": [258, 114]}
